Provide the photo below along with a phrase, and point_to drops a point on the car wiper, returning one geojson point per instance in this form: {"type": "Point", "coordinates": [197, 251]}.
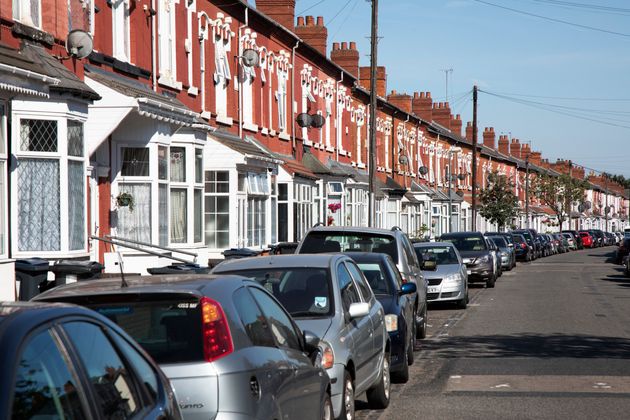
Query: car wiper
{"type": "Point", "coordinates": [307, 313]}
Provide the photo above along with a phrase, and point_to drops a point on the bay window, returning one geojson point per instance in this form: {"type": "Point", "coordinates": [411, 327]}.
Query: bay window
{"type": "Point", "coordinates": [257, 194]}
{"type": "Point", "coordinates": [302, 210]}
{"type": "Point", "coordinates": [3, 168]}
{"type": "Point", "coordinates": [217, 212]}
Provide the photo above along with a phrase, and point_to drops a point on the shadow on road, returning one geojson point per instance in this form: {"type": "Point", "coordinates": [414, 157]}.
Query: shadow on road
{"type": "Point", "coordinates": [530, 345]}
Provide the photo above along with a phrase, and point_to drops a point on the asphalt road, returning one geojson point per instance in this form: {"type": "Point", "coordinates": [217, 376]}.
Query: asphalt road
{"type": "Point", "coordinates": [550, 341]}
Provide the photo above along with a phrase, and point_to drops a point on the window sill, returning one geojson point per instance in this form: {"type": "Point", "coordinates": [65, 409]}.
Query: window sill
{"type": "Point", "coordinates": [250, 127]}
{"type": "Point", "coordinates": [343, 153]}
{"type": "Point", "coordinates": [361, 165]}
{"type": "Point", "coordinates": [330, 149]}
{"type": "Point", "coordinates": [264, 131]}
{"type": "Point", "coordinates": [193, 91]}
{"type": "Point", "coordinates": [169, 82]}
{"type": "Point", "coordinates": [284, 136]}
{"type": "Point", "coordinates": [221, 119]}
{"type": "Point", "coordinates": [307, 142]}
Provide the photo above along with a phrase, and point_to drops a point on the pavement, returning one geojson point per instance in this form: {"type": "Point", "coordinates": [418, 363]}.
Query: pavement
{"type": "Point", "coordinates": [550, 341]}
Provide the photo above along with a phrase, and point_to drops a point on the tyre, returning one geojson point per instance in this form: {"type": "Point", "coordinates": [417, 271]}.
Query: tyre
{"type": "Point", "coordinates": [327, 408]}
{"type": "Point", "coordinates": [490, 282]}
{"type": "Point", "coordinates": [412, 344]}
{"type": "Point", "coordinates": [347, 407]}
{"type": "Point", "coordinates": [463, 303]}
{"type": "Point", "coordinates": [421, 332]}
{"type": "Point", "coordinates": [378, 396]}
{"type": "Point", "coordinates": [402, 376]}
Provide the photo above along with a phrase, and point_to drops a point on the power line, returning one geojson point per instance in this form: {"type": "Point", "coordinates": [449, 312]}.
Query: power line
{"type": "Point", "coordinates": [309, 8]}
{"type": "Point", "coordinates": [599, 8]}
{"type": "Point", "coordinates": [567, 98]}
{"type": "Point", "coordinates": [338, 12]}
{"type": "Point", "coordinates": [345, 19]}
{"type": "Point", "coordinates": [592, 28]}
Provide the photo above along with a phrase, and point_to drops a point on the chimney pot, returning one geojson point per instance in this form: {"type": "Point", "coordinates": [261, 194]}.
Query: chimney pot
{"type": "Point", "coordinates": [353, 45]}
{"type": "Point", "coordinates": [415, 95]}
{"type": "Point", "coordinates": [320, 21]}
{"type": "Point", "coordinates": [335, 46]}
{"type": "Point", "coordinates": [310, 21]}
{"type": "Point", "coordinates": [344, 45]}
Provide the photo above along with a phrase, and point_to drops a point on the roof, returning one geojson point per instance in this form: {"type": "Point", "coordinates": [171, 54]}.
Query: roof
{"type": "Point", "coordinates": [246, 146]}
{"type": "Point", "coordinates": [47, 64]}
{"type": "Point", "coordinates": [288, 260]}
{"type": "Point", "coordinates": [432, 244]}
{"type": "Point", "coordinates": [296, 168]}
{"type": "Point", "coordinates": [315, 165]}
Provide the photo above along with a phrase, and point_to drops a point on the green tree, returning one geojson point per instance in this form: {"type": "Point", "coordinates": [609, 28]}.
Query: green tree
{"type": "Point", "coordinates": [498, 203]}
{"type": "Point", "coordinates": [559, 192]}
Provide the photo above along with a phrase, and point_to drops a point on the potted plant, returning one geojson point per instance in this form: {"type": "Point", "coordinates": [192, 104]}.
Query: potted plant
{"type": "Point", "coordinates": [124, 199]}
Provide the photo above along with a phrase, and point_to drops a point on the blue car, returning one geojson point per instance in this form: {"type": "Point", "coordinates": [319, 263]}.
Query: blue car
{"type": "Point", "coordinates": [397, 299]}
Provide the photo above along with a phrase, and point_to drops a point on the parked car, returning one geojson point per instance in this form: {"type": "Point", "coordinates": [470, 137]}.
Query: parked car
{"type": "Point", "coordinates": [508, 257]}
{"type": "Point", "coordinates": [228, 347]}
{"type": "Point", "coordinates": [623, 250]}
{"type": "Point", "coordinates": [476, 254]}
{"type": "Point", "coordinates": [328, 294]}
{"type": "Point", "coordinates": [531, 238]}
{"type": "Point", "coordinates": [393, 242]}
{"type": "Point", "coordinates": [448, 282]}
{"type": "Point", "coordinates": [599, 236]}
{"type": "Point", "coordinates": [506, 235]}
{"type": "Point", "coordinates": [398, 301]}
{"type": "Point", "coordinates": [587, 239]}
{"type": "Point", "coordinates": [571, 241]}
{"type": "Point", "coordinates": [496, 255]}
{"type": "Point", "coordinates": [523, 251]}
{"type": "Point", "coordinates": [546, 247]}
{"type": "Point", "coordinates": [52, 371]}
{"type": "Point", "coordinates": [576, 236]}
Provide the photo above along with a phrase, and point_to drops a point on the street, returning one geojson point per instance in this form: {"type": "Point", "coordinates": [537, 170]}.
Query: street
{"type": "Point", "coordinates": [551, 341]}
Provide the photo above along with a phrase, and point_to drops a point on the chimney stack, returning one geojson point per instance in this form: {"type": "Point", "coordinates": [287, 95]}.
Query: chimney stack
{"type": "Point", "coordinates": [456, 124]}
{"type": "Point", "coordinates": [442, 114]}
{"type": "Point", "coordinates": [346, 56]}
{"type": "Point", "coordinates": [422, 105]}
{"type": "Point", "coordinates": [469, 131]}
{"type": "Point", "coordinates": [282, 11]}
{"type": "Point", "coordinates": [400, 100]}
{"type": "Point", "coordinates": [535, 158]}
{"type": "Point", "coordinates": [489, 138]}
{"type": "Point", "coordinates": [314, 34]}
{"type": "Point", "coordinates": [381, 80]}
{"type": "Point", "coordinates": [515, 148]}
{"type": "Point", "coordinates": [504, 144]}
{"type": "Point", "coordinates": [525, 151]}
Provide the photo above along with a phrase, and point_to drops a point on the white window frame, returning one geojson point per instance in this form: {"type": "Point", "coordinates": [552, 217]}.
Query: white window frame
{"type": "Point", "coordinates": [121, 38]}
{"type": "Point", "coordinates": [23, 13]}
{"type": "Point", "coordinates": [4, 137]}
{"type": "Point", "coordinates": [216, 194]}
{"type": "Point", "coordinates": [167, 64]}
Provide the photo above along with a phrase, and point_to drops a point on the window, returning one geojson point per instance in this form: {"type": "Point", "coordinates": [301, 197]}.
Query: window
{"type": "Point", "coordinates": [360, 280]}
{"type": "Point", "coordinates": [335, 188]}
{"type": "Point", "coordinates": [253, 320]}
{"type": "Point", "coordinates": [392, 213]}
{"type": "Point", "coordinates": [162, 163]}
{"type": "Point", "coordinates": [135, 161]}
{"type": "Point", "coordinates": [302, 210]}
{"type": "Point", "coordinates": [115, 389]}
{"type": "Point", "coordinates": [44, 386]}
{"type": "Point", "coordinates": [281, 326]}
{"type": "Point", "coordinates": [120, 30]}
{"type": "Point", "coordinates": [166, 41]}
{"type": "Point", "coordinates": [76, 187]}
{"type": "Point", "coordinates": [179, 222]}
{"type": "Point", "coordinates": [281, 98]}
{"type": "Point", "coordinates": [27, 12]}
{"type": "Point", "coordinates": [283, 212]}
{"type": "Point", "coordinates": [217, 211]}
{"type": "Point", "coordinates": [349, 293]}
{"type": "Point", "coordinates": [222, 73]}
{"type": "Point", "coordinates": [256, 221]}
{"type": "Point", "coordinates": [3, 186]}
{"type": "Point", "coordinates": [178, 164]}
{"type": "Point", "coordinates": [257, 183]}
{"type": "Point", "coordinates": [136, 224]}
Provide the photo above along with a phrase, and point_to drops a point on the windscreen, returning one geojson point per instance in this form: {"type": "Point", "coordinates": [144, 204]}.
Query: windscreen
{"type": "Point", "coordinates": [443, 254]}
{"type": "Point", "coordinates": [320, 242]}
{"type": "Point", "coordinates": [169, 330]}
{"type": "Point", "coordinates": [470, 243]}
{"type": "Point", "coordinates": [303, 291]}
{"type": "Point", "coordinates": [376, 276]}
{"type": "Point", "coordinates": [500, 241]}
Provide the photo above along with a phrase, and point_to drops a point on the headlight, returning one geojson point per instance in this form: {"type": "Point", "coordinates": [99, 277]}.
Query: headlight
{"type": "Point", "coordinates": [327, 355]}
{"type": "Point", "coordinates": [467, 260]}
{"type": "Point", "coordinates": [391, 322]}
{"type": "Point", "coordinates": [453, 278]}
{"type": "Point", "coordinates": [484, 259]}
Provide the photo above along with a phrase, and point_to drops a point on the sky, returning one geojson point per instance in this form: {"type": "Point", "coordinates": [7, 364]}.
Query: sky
{"type": "Point", "coordinates": [554, 73]}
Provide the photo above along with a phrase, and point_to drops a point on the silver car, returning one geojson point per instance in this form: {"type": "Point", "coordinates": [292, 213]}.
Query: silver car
{"type": "Point", "coordinates": [328, 295]}
{"type": "Point", "coordinates": [228, 347]}
{"type": "Point", "coordinates": [449, 281]}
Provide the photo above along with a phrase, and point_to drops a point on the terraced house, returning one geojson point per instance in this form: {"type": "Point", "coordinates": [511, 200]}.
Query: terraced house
{"type": "Point", "coordinates": [202, 126]}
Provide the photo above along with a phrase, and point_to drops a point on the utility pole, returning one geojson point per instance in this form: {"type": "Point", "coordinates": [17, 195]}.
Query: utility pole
{"type": "Point", "coordinates": [373, 62]}
{"type": "Point", "coordinates": [474, 161]}
{"type": "Point", "coordinates": [606, 209]}
{"type": "Point", "coordinates": [527, 192]}
{"type": "Point", "coordinates": [568, 204]}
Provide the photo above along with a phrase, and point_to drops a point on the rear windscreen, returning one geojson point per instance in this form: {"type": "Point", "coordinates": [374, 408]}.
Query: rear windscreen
{"type": "Point", "coordinates": [470, 243]}
{"type": "Point", "coordinates": [321, 242]}
{"type": "Point", "coordinates": [169, 330]}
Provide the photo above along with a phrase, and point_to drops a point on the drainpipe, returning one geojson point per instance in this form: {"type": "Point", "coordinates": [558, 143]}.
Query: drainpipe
{"type": "Point", "coordinates": [406, 151]}
{"type": "Point", "coordinates": [153, 46]}
{"type": "Point", "coordinates": [293, 146]}
{"type": "Point", "coordinates": [337, 129]}
{"type": "Point", "coordinates": [238, 74]}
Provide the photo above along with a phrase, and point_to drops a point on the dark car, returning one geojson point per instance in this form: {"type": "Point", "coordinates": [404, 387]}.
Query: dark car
{"type": "Point", "coordinates": [599, 237]}
{"type": "Point", "coordinates": [531, 236]}
{"type": "Point", "coordinates": [546, 245]}
{"type": "Point", "coordinates": [476, 254]}
{"type": "Point", "coordinates": [228, 347]}
{"type": "Point", "coordinates": [64, 361]}
{"type": "Point", "coordinates": [623, 250]}
{"type": "Point", "coordinates": [393, 242]}
{"type": "Point", "coordinates": [398, 300]}
{"type": "Point", "coordinates": [523, 251]}
{"type": "Point", "coordinates": [576, 236]}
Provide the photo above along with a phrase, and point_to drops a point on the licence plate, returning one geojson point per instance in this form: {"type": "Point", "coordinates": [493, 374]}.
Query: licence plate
{"type": "Point", "coordinates": [469, 272]}
{"type": "Point", "coordinates": [433, 289]}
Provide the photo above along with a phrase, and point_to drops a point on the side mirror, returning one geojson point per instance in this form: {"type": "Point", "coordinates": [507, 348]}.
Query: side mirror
{"type": "Point", "coordinates": [311, 342]}
{"type": "Point", "coordinates": [408, 288]}
{"type": "Point", "coordinates": [359, 310]}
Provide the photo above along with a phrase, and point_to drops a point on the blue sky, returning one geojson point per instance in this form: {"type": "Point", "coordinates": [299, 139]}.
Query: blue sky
{"type": "Point", "coordinates": [512, 54]}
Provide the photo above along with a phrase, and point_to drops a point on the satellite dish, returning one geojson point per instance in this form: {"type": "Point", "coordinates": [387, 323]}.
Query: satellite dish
{"type": "Point", "coordinates": [423, 170]}
{"type": "Point", "coordinates": [402, 159]}
{"type": "Point", "coordinates": [581, 208]}
{"type": "Point", "coordinates": [317, 121]}
{"type": "Point", "coordinates": [460, 193]}
{"type": "Point", "coordinates": [79, 43]}
{"type": "Point", "coordinates": [250, 57]}
{"type": "Point", "coordinates": [303, 120]}
{"type": "Point", "coordinates": [587, 205]}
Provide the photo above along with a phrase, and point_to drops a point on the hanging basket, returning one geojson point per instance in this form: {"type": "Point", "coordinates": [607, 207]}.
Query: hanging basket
{"type": "Point", "coordinates": [124, 199]}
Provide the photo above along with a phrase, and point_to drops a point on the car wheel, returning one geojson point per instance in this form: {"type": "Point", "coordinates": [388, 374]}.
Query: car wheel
{"type": "Point", "coordinates": [347, 408]}
{"type": "Point", "coordinates": [402, 376]}
{"type": "Point", "coordinates": [422, 330]}
{"type": "Point", "coordinates": [412, 343]}
{"type": "Point", "coordinates": [490, 282]}
{"type": "Point", "coordinates": [463, 303]}
{"type": "Point", "coordinates": [327, 408]}
{"type": "Point", "coordinates": [378, 396]}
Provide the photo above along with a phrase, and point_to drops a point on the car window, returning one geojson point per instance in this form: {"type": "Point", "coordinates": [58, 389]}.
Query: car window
{"type": "Point", "coordinates": [499, 241]}
{"type": "Point", "coordinates": [376, 277]}
{"type": "Point", "coordinates": [44, 387]}
{"type": "Point", "coordinates": [409, 252]}
{"type": "Point", "coordinates": [252, 318]}
{"type": "Point", "coordinates": [279, 322]}
{"type": "Point", "coordinates": [469, 243]}
{"type": "Point", "coordinates": [114, 388]}
{"type": "Point", "coordinates": [349, 293]}
{"type": "Point", "coordinates": [443, 254]}
{"type": "Point", "coordinates": [366, 292]}
{"type": "Point", "coordinates": [335, 241]}
{"type": "Point", "coordinates": [144, 371]}
{"type": "Point", "coordinates": [303, 291]}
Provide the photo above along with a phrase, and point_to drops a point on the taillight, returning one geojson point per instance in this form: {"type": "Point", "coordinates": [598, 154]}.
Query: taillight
{"type": "Point", "coordinates": [523, 245]}
{"type": "Point", "coordinates": [217, 341]}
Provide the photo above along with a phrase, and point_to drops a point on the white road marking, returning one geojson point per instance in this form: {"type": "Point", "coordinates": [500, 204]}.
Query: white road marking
{"type": "Point", "coordinates": [539, 384]}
